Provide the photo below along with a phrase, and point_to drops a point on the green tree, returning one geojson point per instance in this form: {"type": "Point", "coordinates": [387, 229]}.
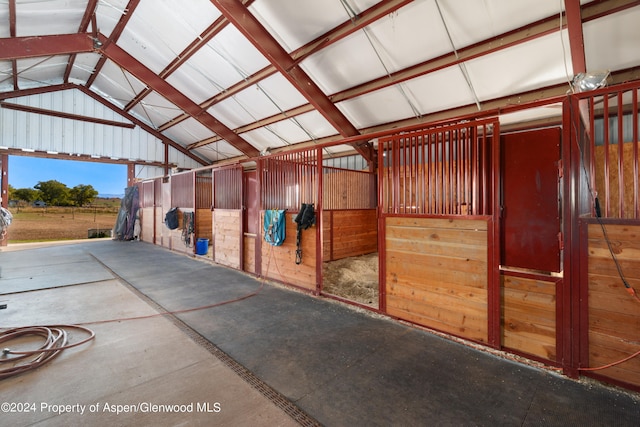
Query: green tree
{"type": "Point", "coordinates": [82, 194]}
{"type": "Point", "coordinates": [53, 193]}
{"type": "Point", "coordinates": [10, 193]}
{"type": "Point", "coordinates": [28, 195]}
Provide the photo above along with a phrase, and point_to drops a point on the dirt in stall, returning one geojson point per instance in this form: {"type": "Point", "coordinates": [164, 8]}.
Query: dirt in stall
{"type": "Point", "coordinates": [354, 278]}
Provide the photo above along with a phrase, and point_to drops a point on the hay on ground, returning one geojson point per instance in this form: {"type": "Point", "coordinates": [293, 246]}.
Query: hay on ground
{"type": "Point", "coordinates": [354, 278]}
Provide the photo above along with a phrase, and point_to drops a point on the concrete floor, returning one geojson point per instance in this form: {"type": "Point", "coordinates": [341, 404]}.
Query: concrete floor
{"type": "Point", "coordinates": [277, 357]}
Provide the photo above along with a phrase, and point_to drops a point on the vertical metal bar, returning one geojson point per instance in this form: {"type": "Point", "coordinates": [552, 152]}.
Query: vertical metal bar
{"type": "Point", "coordinates": [592, 150]}
{"type": "Point", "coordinates": [319, 221]}
{"type": "Point", "coordinates": [416, 167]}
{"type": "Point", "coordinates": [620, 157]}
{"type": "Point", "coordinates": [475, 197]}
{"type": "Point", "coordinates": [605, 127]}
{"type": "Point", "coordinates": [396, 174]}
{"type": "Point", "coordinates": [634, 119]}
{"type": "Point", "coordinates": [484, 170]}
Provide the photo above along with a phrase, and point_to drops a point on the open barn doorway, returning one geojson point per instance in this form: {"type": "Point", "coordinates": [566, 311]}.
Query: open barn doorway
{"type": "Point", "coordinates": [350, 231]}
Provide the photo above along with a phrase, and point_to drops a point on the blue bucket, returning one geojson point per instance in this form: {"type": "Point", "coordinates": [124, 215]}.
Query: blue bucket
{"type": "Point", "coordinates": [202, 246]}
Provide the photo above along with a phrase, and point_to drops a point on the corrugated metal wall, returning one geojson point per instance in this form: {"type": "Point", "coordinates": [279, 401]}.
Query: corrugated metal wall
{"type": "Point", "coordinates": [48, 133]}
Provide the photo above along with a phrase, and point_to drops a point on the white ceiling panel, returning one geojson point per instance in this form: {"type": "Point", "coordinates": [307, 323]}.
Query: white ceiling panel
{"type": "Point", "coordinates": [218, 151]}
{"type": "Point", "coordinates": [155, 110]}
{"type": "Point", "coordinates": [188, 131]}
{"type": "Point", "coordinates": [413, 34]}
{"type": "Point", "coordinates": [281, 92]}
{"type": "Point", "coordinates": [36, 72]}
{"type": "Point", "coordinates": [231, 113]}
{"type": "Point", "coordinates": [441, 90]}
{"type": "Point", "coordinates": [316, 124]}
{"type": "Point", "coordinates": [108, 13]}
{"type": "Point", "coordinates": [233, 47]}
{"type": "Point", "coordinates": [118, 84]}
{"type": "Point", "coordinates": [613, 42]}
{"type": "Point", "coordinates": [471, 21]}
{"type": "Point", "coordinates": [333, 74]}
{"type": "Point", "coordinates": [532, 65]}
{"type": "Point", "coordinates": [296, 22]}
{"type": "Point", "coordinates": [382, 106]}
{"type": "Point", "coordinates": [83, 67]}
{"type": "Point", "coordinates": [6, 76]}
{"type": "Point", "coordinates": [263, 139]}
{"type": "Point", "coordinates": [38, 18]}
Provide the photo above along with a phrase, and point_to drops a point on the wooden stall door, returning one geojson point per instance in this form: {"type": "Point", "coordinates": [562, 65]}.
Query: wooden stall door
{"type": "Point", "coordinates": [530, 241]}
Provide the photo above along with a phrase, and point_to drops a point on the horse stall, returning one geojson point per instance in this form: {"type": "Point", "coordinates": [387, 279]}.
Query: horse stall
{"type": "Point", "coordinates": [285, 182]}
{"type": "Point", "coordinates": [227, 216]}
{"type": "Point", "coordinates": [350, 236]}
{"type": "Point", "coordinates": [605, 145]}
{"type": "Point", "coordinates": [437, 227]}
{"type": "Point", "coordinates": [180, 191]}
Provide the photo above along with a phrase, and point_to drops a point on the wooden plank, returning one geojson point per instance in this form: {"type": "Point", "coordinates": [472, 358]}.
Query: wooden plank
{"type": "Point", "coordinates": [445, 295]}
{"type": "Point", "coordinates": [278, 262]}
{"type": "Point", "coordinates": [441, 319]}
{"type": "Point", "coordinates": [445, 223]}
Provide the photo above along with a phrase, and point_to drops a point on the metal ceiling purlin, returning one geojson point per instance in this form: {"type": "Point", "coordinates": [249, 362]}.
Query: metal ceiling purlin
{"type": "Point", "coordinates": [12, 33]}
{"type": "Point", "coordinates": [251, 28]}
{"type": "Point", "coordinates": [45, 112]}
{"type": "Point", "coordinates": [89, 14]}
{"type": "Point", "coordinates": [204, 38]}
{"type": "Point", "coordinates": [573, 14]}
{"type": "Point", "coordinates": [343, 30]}
{"type": "Point", "coordinates": [149, 78]}
{"type": "Point", "coordinates": [113, 38]}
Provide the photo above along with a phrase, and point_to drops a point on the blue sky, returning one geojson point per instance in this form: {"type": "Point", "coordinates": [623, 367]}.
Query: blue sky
{"type": "Point", "coordinates": [106, 178]}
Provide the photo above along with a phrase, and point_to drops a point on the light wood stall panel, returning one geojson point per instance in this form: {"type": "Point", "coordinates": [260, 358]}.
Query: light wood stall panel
{"type": "Point", "coordinates": [614, 315]}
{"type": "Point", "coordinates": [160, 227]}
{"type": "Point", "coordinates": [628, 201]}
{"type": "Point", "coordinates": [250, 253]}
{"type": "Point", "coordinates": [279, 262]}
{"type": "Point", "coordinates": [204, 224]}
{"type": "Point", "coordinates": [227, 224]}
{"type": "Point", "coordinates": [437, 274]}
{"type": "Point", "coordinates": [147, 218]}
{"type": "Point", "coordinates": [349, 233]}
{"type": "Point", "coordinates": [529, 316]}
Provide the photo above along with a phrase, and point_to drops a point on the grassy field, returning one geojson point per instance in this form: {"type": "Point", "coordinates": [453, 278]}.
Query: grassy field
{"type": "Point", "coordinates": [58, 223]}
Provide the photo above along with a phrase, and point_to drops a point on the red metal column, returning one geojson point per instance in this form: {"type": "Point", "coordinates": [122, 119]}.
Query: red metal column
{"type": "Point", "coordinates": [319, 221]}
{"type": "Point", "coordinates": [4, 188]}
{"type": "Point", "coordinates": [493, 247]}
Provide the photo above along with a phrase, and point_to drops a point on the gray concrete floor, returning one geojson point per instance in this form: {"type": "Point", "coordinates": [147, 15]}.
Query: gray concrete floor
{"type": "Point", "coordinates": [137, 362]}
{"type": "Point", "coordinates": [277, 357]}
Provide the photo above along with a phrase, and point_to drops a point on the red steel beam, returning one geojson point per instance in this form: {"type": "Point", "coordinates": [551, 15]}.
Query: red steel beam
{"type": "Point", "coordinates": [27, 109]}
{"type": "Point", "coordinates": [84, 24]}
{"type": "Point", "coordinates": [573, 14]}
{"type": "Point", "coordinates": [251, 28]}
{"type": "Point", "coordinates": [119, 56]}
{"type": "Point", "coordinates": [12, 33]}
{"type": "Point", "coordinates": [35, 91]}
{"type": "Point", "coordinates": [166, 140]}
{"type": "Point", "coordinates": [343, 30]}
{"type": "Point", "coordinates": [204, 38]}
{"type": "Point", "coordinates": [34, 46]}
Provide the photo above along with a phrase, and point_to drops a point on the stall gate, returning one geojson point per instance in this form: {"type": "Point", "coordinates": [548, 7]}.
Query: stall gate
{"type": "Point", "coordinates": [606, 150]}
{"type": "Point", "coordinates": [437, 229]}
